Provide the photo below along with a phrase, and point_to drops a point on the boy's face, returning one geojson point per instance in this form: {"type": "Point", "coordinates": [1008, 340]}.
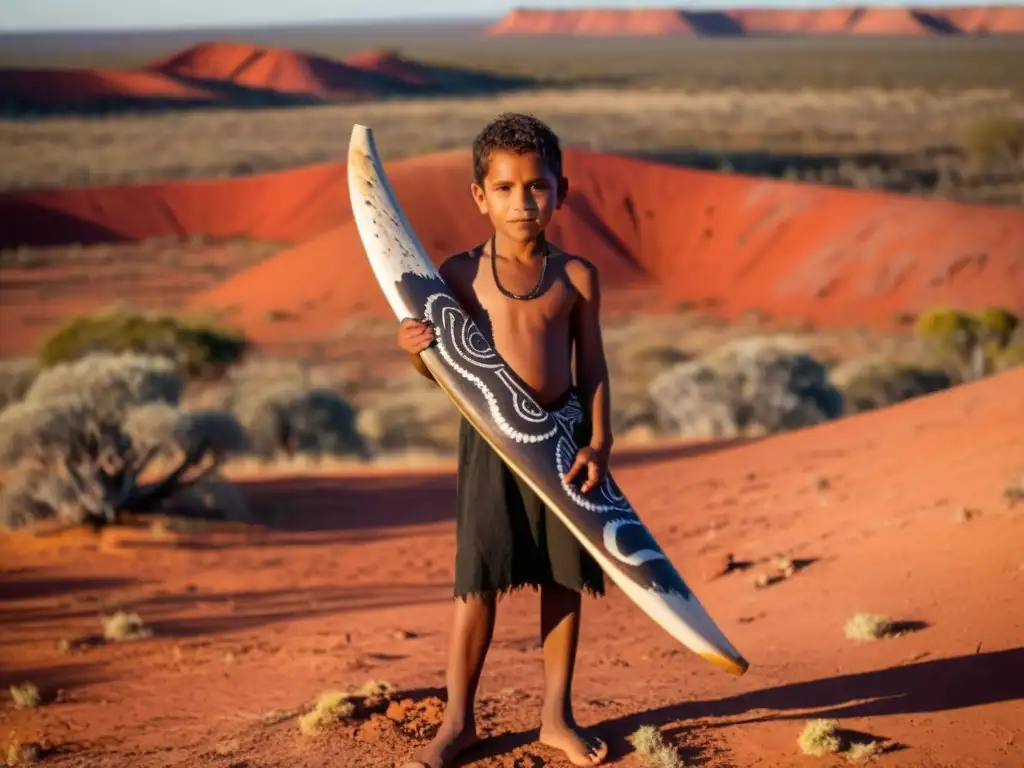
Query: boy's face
{"type": "Point", "coordinates": [519, 194]}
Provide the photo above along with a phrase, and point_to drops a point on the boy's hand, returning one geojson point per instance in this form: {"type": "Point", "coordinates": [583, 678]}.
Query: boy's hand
{"type": "Point", "coordinates": [596, 463]}
{"type": "Point", "coordinates": [415, 335]}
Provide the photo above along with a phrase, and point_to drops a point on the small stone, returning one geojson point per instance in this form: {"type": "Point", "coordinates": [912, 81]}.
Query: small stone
{"type": "Point", "coordinates": [30, 753]}
{"type": "Point", "coordinates": [966, 514]}
{"type": "Point", "coordinates": [396, 711]}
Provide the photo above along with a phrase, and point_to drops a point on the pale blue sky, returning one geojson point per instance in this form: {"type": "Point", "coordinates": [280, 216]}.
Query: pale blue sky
{"type": "Point", "coordinates": [18, 15]}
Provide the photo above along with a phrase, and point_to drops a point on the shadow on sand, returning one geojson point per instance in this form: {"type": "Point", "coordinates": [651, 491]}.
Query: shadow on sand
{"type": "Point", "coordinates": [958, 682]}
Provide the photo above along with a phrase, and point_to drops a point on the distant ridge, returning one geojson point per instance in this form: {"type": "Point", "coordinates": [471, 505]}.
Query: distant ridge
{"type": "Point", "coordinates": [858, 21]}
{"type": "Point", "coordinates": [233, 74]}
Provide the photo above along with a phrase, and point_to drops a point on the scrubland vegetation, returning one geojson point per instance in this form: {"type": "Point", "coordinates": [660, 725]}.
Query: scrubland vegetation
{"type": "Point", "coordinates": [932, 117]}
{"type": "Point", "coordinates": [135, 413]}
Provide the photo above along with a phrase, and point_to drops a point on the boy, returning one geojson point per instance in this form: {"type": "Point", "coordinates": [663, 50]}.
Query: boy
{"type": "Point", "coordinates": [535, 303]}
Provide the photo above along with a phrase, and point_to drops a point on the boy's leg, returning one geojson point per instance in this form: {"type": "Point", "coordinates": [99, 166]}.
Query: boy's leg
{"type": "Point", "coordinates": [560, 628]}
{"type": "Point", "coordinates": [472, 629]}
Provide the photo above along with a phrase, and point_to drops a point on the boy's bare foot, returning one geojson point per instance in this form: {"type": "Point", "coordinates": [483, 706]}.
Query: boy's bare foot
{"type": "Point", "coordinates": [582, 748]}
{"type": "Point", "coordinates": [443, 748]}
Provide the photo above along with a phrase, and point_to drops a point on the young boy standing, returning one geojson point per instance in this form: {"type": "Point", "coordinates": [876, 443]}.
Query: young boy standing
{"type": "Point", "coordinates": [536, 304]}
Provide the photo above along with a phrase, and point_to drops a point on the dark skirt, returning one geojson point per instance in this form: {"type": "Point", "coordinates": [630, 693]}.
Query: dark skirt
{"type": "Point", "coordinates": [506, 536]}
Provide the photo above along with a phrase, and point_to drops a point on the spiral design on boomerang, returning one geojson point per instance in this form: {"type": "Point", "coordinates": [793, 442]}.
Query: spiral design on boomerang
{"type": "Point", "coordinates": [464, 347]}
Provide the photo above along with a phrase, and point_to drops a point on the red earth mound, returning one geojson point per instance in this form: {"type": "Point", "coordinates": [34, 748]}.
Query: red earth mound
{"type": "Point", "coordinates": [390, 64]}
{"type": "Point", "coordinates": [275, 69]}
{"type": "Point", "coordinates": [659, 233]}
{"type": "Point", "coordinates": [789, 249]}
{"type": "Point", "coordinates": [231, 73]}
{"type": "Point", "coordinates": [603, 22]}
{"type": "Point", "coordinates": [284, 206]}
{"type": "Point", "coordinates": [893, 21]}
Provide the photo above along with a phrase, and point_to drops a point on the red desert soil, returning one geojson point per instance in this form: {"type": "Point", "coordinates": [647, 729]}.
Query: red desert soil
{"type": "Point", "coordinates": [354, 583]}
{"type": "Point", "coordinates": [659, 234]}
{"type": "Point", "coordinates": [908, 21]}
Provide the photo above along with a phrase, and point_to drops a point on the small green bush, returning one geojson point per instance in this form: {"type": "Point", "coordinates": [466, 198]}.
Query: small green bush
{"type": "Point", "coordinates": [997, 325]}
{"type": "Point", "coordinates": [958, 336]}
{"type": "Point", "coordinates": [201, 349]}
{"type": "Point", "coordinates": [947, 326]}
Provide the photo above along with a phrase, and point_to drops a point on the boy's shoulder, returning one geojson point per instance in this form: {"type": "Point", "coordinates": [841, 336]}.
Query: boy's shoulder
{"type": "Point", "coordinates": [582, 272]}
{"type": "Point", "coordinates": [458, 263]}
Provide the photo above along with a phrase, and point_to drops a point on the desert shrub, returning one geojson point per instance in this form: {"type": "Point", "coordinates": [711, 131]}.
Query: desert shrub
{"type": "Point", "coordinates": [947, 326]}
{"type": "Point", "coordinates": [1012, 355]}
{"type": "Point", "coordinates": [26, 695]}
{"type": "Point", "coordinates": [867, 626]}
{"type": "Point", "coordinates": [970, 344]}
{"type": "Point", "coordinates": [749, 387]}
{"type": "Point", "coordinates": [80, 442]}
{"type": "Point", "coordinates": [286, 408]}
{"type": "Point", "coordinates": [997, 325]}
{"type": "Point", "coordinates": [995, 138]}
{"type": "Point", "coordinates": [419, 417]}
{"type": "Point", "coordinates": [819, 738]}
{"type": "Point", "coordinates": [875, 382]}
{"type": "Point", "coordinates": [201, 349]}
{"type": "Point", "coordinates": [16, 376]}
{"type": "Point", "coordinates": [330, 707]}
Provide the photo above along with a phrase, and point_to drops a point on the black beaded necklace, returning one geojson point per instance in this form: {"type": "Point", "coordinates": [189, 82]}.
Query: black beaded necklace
{"type": "Point", "coordinates": [519, 296]}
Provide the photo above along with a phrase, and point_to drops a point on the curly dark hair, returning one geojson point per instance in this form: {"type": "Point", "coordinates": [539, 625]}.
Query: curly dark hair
{"type": "Point", "coordinates": [519, 133]}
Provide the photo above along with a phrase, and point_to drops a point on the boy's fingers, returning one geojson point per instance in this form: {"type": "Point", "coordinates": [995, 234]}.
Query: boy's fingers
{"type": "Point", "coordinates": [573, 470]}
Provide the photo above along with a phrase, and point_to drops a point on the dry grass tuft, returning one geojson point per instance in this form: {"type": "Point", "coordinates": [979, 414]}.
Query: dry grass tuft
{"type": "Point", "coordinates": [330, 707]}
{"type": "Point", "coordinates": [26, 695]}
{"type": "Point", "coordinates": [819, 738]}
{"type": "Point", "coordinates": [868, 626]}
{"type": "Point", "coordinates": [123, 627]}
{"type": "Point", "coordinates": [656, 753]}
{"type": "Point", "coordinates": [858, 752]}
{"type": "Point", "coordinates": [374, 688]}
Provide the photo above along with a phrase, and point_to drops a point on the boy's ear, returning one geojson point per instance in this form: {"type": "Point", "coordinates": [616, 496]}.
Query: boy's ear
{"type": "Point", "coordinates": [563, 191]}
{"type": "Point", "coordinates": [479, 197]}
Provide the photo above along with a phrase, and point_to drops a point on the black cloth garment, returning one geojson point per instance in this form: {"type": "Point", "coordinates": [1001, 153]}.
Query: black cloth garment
{"type": "Point", "coordinates": [506, 536]}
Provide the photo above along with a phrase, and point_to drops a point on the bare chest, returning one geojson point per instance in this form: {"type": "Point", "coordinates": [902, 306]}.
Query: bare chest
{"type": "Point", "coordinates": [550, 308]}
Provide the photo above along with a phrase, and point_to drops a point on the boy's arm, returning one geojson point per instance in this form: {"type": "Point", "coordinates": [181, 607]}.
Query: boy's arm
{"type": "Point", "coordinates": [591, 366]}
{"type": "Point", "coordinates": [421, 367]}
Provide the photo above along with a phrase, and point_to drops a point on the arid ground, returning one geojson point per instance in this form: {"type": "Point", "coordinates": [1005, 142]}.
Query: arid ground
{"type": "Point", "coordinates": [828, 201]}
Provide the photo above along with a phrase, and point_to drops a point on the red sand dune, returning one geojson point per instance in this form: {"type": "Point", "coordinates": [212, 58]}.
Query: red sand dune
{"type": "Point", "coordinates": [390, 64]}
{"type": "Point", "coordinates": [854, 20]}
{"type": "Point", "coordinates": [790, 249]}
{"type": "Point", "coordinates": [277, 69]}
{"type": "Point", "coordinates": [663, 233]}
{"type": "Point", "coordinates": [65, 85]}
{"type": "Point", "coordinates": [200, 74]}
